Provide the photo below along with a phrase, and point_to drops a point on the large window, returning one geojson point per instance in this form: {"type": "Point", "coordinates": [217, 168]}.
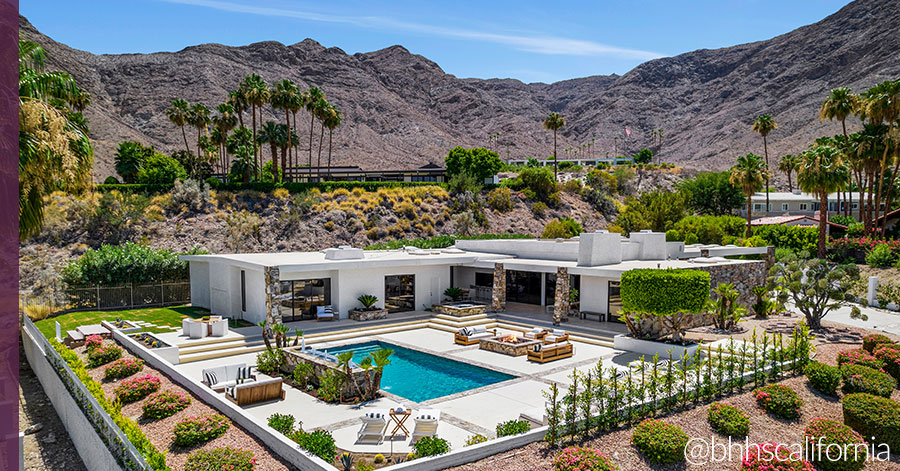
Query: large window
{"type": "Point", "coordinates": [400, 293]}
{"type": "Point", "coordinates": [484, 279]}
{"type": "Point", "coordinates": [550, 288]}
{"type": "Point", "coordinates": [299, 298]}
{"type": "Point", "coordinates": [523, 287]}
{"type": "Point", "coordinates": [613, 301]}
{"type": "Point", "coordinates": [243, 291]}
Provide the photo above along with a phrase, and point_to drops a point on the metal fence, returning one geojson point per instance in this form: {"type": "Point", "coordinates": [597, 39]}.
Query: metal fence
{"type": "Point", "coordinates": [125, 296]}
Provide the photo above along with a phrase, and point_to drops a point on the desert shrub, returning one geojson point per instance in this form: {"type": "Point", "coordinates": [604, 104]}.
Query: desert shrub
{"type": "Point", "coordinates": [728, 420]}
{"type": "Point", "coordinates": [135, 389]}
{"type": "Point", "coordinates": [573, 186]}
{"type": "Point", "coordinates": [823, 378]}
{"type": "Point", "coordinates": [192, 195]}
{"type": "Point", "coordinates": [158, 168]}
{"type": "Point", "coordinates": [317, 442]}
{"type": "Point", "coordinates": [712, 229]}
{"type": "Point", "coordinates": [773, 457]}
{"type": "Point", "coordinates": [601, 181]}
{"type": "Point", "coordinates": [512, 427]}
{"type": "Point", "coordinates": [330, 384]}
{"type": "Point", "coordinates": [862, 379]}
{"type": "Point", "coordinates": [431, 446]}
{"type": "Point", "coordinates": [269, 361]}
{"type": "Point", "coordinates": [539, 183]}
{"type": "Point", "coordinates": [858, 356]}
{"type": "Point", "coordinates": [889, 354]}
{"type": "Point", "coordinates": [92, 342]}
{"type": "Point", "coordinates": [162, 404]}
{"type": "Point", "coordinates": [871, 342]}
{"type": "Point", "coordinates": [191, 431]}
{"type": "Point", "coordinates": [378, 458]}
{"type": "Point", "coordinates": [539, 209]}
{"type": "Point", "coordinates": [660, 442]}
{"type": "Point", "coordinates": [123, 368]}
{"type": "Point", "coordinates": [283, 423]}
{"type": "Point", "coordinates": [576, 458]}
{"type": "Point", "coordinates": [37, 311]}
{"type": "Point", "coordinates": [881, 256]}
{"type": "Point", "coordinates": [301, 374]}
{"type": "Point", "coordinates": [242, 227]}
{"type": "Point", "coordinates": [874, 417]}
{"type": "Point", "coordinates": [220, 459]}
{"type": "Point", "coordinates": [103, 355]}
{"type": "Point", "coordinates": [601, 202]}
{"type": "Point", "coordinates": [475, 439]}
{"type": "Point", "coordinates": [779, 400]}
{"type": "Point", "coordinates": [478, 162]}
{"type": "Point", "coordinates": [561, 229]}
{"type": "Point", "coordinates": [500, 199]}
{"type": "Point", "coordinates": [834, 446]}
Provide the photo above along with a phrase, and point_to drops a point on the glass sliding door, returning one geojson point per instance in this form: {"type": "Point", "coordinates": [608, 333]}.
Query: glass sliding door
{"type": "Point", "coordinates": [550, 288]}
{"type": "Point", "coordinates": [400, 293]}
{"type": "Point", "coordinates": [613, 301]}
{"type": "Point", "coordinates": [523, 287]}
{"type": "Point", "coordinates": [299, 298]}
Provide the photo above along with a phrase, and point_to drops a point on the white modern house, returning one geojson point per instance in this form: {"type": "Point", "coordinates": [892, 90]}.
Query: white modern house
{"type": "Point", "coordinates": [499, 271]}
{"type": "Point", "coordinates": [798, 203]}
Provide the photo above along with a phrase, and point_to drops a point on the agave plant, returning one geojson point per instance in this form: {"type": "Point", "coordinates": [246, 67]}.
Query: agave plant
{"type": "Point", "coordinates": [368, 301]}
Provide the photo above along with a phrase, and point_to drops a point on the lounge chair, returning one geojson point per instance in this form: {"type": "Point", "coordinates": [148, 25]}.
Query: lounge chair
{"type": "Point", "coordinates": [218, 328]}
{"type": "Point", "coordinates": [374, 424]}
{"type": "Point", "coordinates": [324, 313]}
{"type": "Point", "coordinates": [556, 336]}
{"type": "Point", "coordinates": [222, 377]}
{"type": "Point", "coordinates": [255, 391]}
{"type": "Point", "coordinates": [542, 353]}
{"type": "Point", "coordinates": [473, 335]}
{"type": "Point", "coordinates": [197, 330]}
{"type": "Point", "coordinates": [185, 326]}
{"type": "Point", "coordinates": [536, 333]}
{"type": "Point", "coordinates": [426, 423]}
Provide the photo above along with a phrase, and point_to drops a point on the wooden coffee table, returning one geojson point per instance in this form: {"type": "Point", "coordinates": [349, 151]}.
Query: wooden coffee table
{"type": "Point", "coordinates": [399, 418]}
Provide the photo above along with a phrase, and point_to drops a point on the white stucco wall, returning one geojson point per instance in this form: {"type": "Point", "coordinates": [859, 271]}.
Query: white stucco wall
{"type": "Point", "coordinates": [594, 293]}
{"type": "Point", "coordinates": [431, 281]}
{"type": "Point", "coordinates": [199, 273]}
{"type": "Point", "coordinates": [464, 277]}
{"type": "Point", "coordinates": [225, 292]}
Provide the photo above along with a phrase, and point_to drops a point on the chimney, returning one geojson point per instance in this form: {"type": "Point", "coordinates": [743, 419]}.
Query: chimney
{"type": "Point", "coordinates": [599, 248]}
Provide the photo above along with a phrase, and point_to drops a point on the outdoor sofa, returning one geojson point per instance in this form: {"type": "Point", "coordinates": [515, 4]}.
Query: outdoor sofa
{"type": "Point", "coordinates": [255, 391]}
{"type": "Point", "coordinates": [473, 335]}
{"type": "Point", "coordinates": [542, 353]}
{"type": "Point", "coordinates": [222, 377]}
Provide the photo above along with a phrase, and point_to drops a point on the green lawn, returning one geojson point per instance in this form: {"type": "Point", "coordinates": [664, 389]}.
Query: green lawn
{"type": "Point", "coordinates": [171, 316]}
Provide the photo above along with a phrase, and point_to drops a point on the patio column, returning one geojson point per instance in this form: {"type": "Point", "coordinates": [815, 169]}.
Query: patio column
{"type": "Point", "coordinates": [770, 258]}
{"type": "Point", "coordinates": [273, 291]}
{"type": "Point", "coordinates": [561, 304]}
{"type": "Point", "coordinates": [498, 291]}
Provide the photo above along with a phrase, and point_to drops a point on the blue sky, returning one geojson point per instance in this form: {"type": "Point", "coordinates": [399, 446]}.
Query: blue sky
{"type": "Point", "coordinates": [528, 40]}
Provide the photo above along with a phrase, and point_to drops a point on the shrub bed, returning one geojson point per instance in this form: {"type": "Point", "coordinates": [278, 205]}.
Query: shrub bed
{"type": "Point", "coordinates": [660, 442]}
{"type": "Point", "coordinates": [431, 446]}
{"type": "Point", "coordinates": [512, 427]}
{"type": "Point", "coordinates": [773, 457]}
{"type": "Point", "coordinates": [871, 342]}
{"type": "Point", "coordinates": [780, 400]}
{"type": "Point", "coordinates": [858, 356]}
{"type": "Point", "coordinates": [834, 446]}
{"type": "Point", "coordinates": [135, 389]}
{"type": "Point", "coordinates": [283, 423]}
{"type": "Point", "coordinates": [191, 431]}
{"type": "Point", "coordinates": [103, 354]}
{"type": "Point", "coordinates": [874, 417]}
{"type": "Point", "coordinates": [92, 342]}
{"type": "Point", "coordinates": [165, 403]}
{"type": "Point", "coordinates": [317, 442]}
{"type": "Point", "coordinates": [728, 420]}
{"type": "Point", "coordinates": [823, 378]}
{"type": "Point", "coordinates": [123, 368]}
{"type": "Point", "coordinates": [220, 459]}
{"type": "Point", "coordinates": [576, 458]}
{"type": "Point", "coordinates": [889, 354]}
{"type": "Point", "coordinates": [862, 379]}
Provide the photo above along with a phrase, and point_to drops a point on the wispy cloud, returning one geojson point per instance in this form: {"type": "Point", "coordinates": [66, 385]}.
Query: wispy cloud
{"type": "Point", "coordinates": [539, 44]}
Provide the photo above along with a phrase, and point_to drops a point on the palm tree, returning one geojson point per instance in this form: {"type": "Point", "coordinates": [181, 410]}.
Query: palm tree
{"type": "Point", "coordinates": [199, 118]}
{"type": "Point", "coordinates": [840, 104]}
{"type": "Point", "coordinates": [788, 164]}
{"type": "Point", "coordinates": [283, 144]}
{"type": "Point", "coordinates": [331, 122]}
{"type": "Point", "coordinates": [749, 174]}
{"type": "Point", "coordinates": [238, 101]}
{"type": "Point", "coordinates": [553, 122]}
{"type": "Point", "coordinates": [764, 124]}
{"type": "Point", "coordinates": [222, 123]}
{"type": "Point", "coordinates": [865, 158]}
{"type": "Point", "coordinates": [256, 92]}
{"type": "Point", "coordinates": [313, 98]}
{"type": "Point", "coordinates": [381, 358]}
{"type": "Point", "coordinates": [284, 96]}
{"type": "Point", "coordinates": [344, 359]}
{"type": "Point", "coordinates": [272, 134]}
{"type": "Point", "coordinates": [323, 110]}
{"type": "Point", "coordinates": [179, 113]}
{"type": "Point", "coordinates": [882, 105]}
{"type": "Point", "coordinates": [822, 172]}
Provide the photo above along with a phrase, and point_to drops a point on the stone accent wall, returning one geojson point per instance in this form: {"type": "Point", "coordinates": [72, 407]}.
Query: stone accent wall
{"type": "Point", "coordinates": [561, 303]}
{"type": "Point", "coordinates": [459, 311]}
{"type": "Point", "coordinates": [320, 366]}
{"type": "Point", "coordinates": [745, 277]}
{"type": "Point", "coordinates": [273, 290]}
{"type": "Point", "coordinates": [498, 292]}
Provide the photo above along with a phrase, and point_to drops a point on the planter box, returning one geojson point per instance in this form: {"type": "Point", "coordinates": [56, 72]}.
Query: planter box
{"type": "Point", "coordinates": [651, 347]}
{"type": "Point", "coordinates": [164, 350]}
{"type": "Point", "coordinates": [368, 315]}
{"type": "Point", "coordinates": [459, 309]}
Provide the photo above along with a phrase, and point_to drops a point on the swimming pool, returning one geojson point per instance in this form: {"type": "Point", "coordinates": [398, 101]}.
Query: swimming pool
{"type": "Point", "coordinates": [419, 376]}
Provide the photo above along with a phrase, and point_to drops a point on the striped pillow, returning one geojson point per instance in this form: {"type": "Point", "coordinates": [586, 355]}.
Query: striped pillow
{"type": "Point", "coordinates": [374, 415]}
{"type": "Point", "coordinates": [538, 347]}
{"type": "Point", "coordinates": [211, 378]}
{"type": "Point", "coordinates": [243, 373]}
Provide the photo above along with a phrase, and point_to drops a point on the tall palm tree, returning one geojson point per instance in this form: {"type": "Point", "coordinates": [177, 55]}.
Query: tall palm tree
{"type": "Point", "coordinates": [331, 122]}
{"type": "Point", "coordinates": [882, 105]}
{"type": "Point", "coordinates": [314, 97]}
{"type": "Point", "coordinates": [256, 92]}
{"type": "Point", "coordinates": [223, 122]}
{"type": "Point", "coordinates": [270, 133]}
{"type": "Point", "coordinates": [238, 101]}
{"type": "Point", "coordinates": [840, 104]}
{"type": "Point", "coordinates": [553, 122]}
{"type": "Point", "coordinates": [283, 144]}
{"type": "Point", "coordinates": [284, 95]}
{"type": "Point", "coordinates": [179, 113]}
{"type": "Point", "coordinates": [865, 155]}
{"type": "Point", "coordinates": [323, 110]}
{"type": "Point", "coordinates": [297, 105]}
{"type": "Point", "coordinates": [788, 164]}
{"type": "Point", "coordinates": [199, 118]}
{"type": "Point", "coordinates": [764, 124]}
{"type": "Point", "coordinates": [749, 174]}
{"type": "Point", "coordinates": [822, 172]}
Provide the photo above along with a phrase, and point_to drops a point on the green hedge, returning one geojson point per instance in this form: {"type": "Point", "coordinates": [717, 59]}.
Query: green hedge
{"type": "Point", "coordinates": [267, 187]}
{"type": "Point", "coordinates": [873, 416]}
{"type": "Point", "coordinates": [129, 262]}
{"type": "Point", "coordinates": [664, 292]}
{"type": "Point", "coordinates": [795, 238]}
{"type": "Point", "coordinates": [441, 241]}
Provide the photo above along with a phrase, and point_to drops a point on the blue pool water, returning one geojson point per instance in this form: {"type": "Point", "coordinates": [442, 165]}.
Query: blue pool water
{"type": "Point", "coordinates": [420, 376]}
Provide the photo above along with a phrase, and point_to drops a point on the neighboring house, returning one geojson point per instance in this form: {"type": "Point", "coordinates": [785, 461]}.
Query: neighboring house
{"type": "Point", "coordinates": [796, 220]}
{"type": "Point", "coordinates": [427, 173]}
{"type": "Point", "coordinates": [799, 203]}
{"type": "Point", "coordinates": [528, 271]}
{"type": "Point", "coordinates": [593, 162]}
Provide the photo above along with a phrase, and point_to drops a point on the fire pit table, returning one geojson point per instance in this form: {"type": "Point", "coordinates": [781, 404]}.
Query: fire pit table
{"type": "Point", "coordinates": [508, 345]}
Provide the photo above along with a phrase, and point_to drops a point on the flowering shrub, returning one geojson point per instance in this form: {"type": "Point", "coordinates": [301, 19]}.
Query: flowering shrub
{"type": "Point", "coordinates": [823, 378]}
{"type": "Point", "coordinates": [881, 256]}
{"type": "Point", "coordinates": [889, 354]}
{"type": "Point", "coordinates": [773, 457]}
{"type": "Point", "coordinates": [872, 341]}
{"type": "Point", "coordinates": [576, 458]}
{"type": "Point", "coordinates": [858, 356]}
{"type": "Point", "coordinates": [833, 446]}
{"type": "Point", "coordinates": [134, 389]}
{"type": "Point", "coordinates": [93, 342]}
{"type": "Point", "coordinates": [220, 459]}
{"type": "Point", "coordinates": [857, 248]}
{"type": "Point", "coordinates": [862, 379]}
{"type": "Point", "coordinates": [103, 354]}
{"type": "Point", "coordinates": [779, 400]}
{"type": "Point", "coordinates": [193, 430]}
{"type": "Point", "coordinates": [727, 419]}
{"type": "Point", "coordinates": [283, 423]}
{"type": "Point", "coordinates": [123, 368]}
{"type": "Point", "coordinates": [873, 416]}
{"type": "Point", "coordinates": [165, 403]}
{"type": "Point", "coordinates": [660, 442]}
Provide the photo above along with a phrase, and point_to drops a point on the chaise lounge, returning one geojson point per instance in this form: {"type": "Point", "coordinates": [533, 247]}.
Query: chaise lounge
{"type": "Point", "coordinates": [222, 377]}
{"type": "Point", "coordinates": [537, 333]}
{"type": "Point", "coordinates": [324, 313]}
{"type": "Point", "coordinates": [255, 391]}
{"type": "Point", "coordinates": [426, 424]}
{"type": "Point", "coordinates": [374, 424]}
{"type": "Point", "coordinates": [542, 353]}
{"type": "Point", "coordinates": [473, 335]}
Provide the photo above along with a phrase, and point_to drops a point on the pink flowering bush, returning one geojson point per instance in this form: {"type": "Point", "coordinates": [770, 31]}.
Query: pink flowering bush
{"type": "Point", "coordinates": [728, 419]}
{"type": "Point", "coordinates": [576, 458]}
{"type": "Point", "coordinates": [93, 342]}
{"type": "Point", "coordinates": [200, 429]}
{"type": "Point", "coordinates": [165, 403]}
{"type": "Point", "coordinates": [889, 354]}
{"type": "Point", "coordinates": [103, 354]}
{"type": "Point", "coordinates": [773, 457]}
{"type": "Point", "coordinates": [221, 459]}
{"type": "Point", "coordinates": [780, 400]}
{"type": "Point", "coordinates": [123, 368]}
{"type": "Point", "coordinates": [833, 446]}
{"type": "Point", "coordinates": [872, 342]}
{"type": "Point", "coordinates": [660, 442]}
{"type": "Point", "coordinates": [857, 247]}
{"type": "Point", "coordinates": [858, 356]}
{"type": "Point", "coordinates": [862, 379]}
{"type": "Point", "coordinates": [135, 389]}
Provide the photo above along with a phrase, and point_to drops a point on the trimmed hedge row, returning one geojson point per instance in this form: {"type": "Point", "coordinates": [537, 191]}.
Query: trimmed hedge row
{"type": "Point", "coordinates": [873, 416]}
{"type": "Point", "coordinates": [664, 292]}
{"type": "Point", "coordinates": [267, 187]}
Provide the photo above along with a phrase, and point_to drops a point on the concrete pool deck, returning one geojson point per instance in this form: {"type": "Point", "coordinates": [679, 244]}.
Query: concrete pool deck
{"type": "Point", "coordinates": [462, 414]}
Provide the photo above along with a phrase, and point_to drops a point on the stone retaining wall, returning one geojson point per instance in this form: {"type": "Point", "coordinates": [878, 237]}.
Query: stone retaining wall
{"type": "Point", "coordinates": [320, 366]}
{"type": "Point", "coordinates": [745, 277]}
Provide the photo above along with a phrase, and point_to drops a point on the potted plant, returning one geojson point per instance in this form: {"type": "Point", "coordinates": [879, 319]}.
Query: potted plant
{"type": "Point", "coordinates": [455, 294]}
{"type": "Point", "coordinates": [369, 311]}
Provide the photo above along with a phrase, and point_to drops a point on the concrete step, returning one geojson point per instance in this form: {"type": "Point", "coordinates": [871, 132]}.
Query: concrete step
{"type": "Point", "coordinates": [233, 343]}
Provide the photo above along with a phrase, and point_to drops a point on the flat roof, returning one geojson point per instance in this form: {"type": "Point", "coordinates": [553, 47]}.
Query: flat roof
{"type": "Point", "coordinates": [613, 270]}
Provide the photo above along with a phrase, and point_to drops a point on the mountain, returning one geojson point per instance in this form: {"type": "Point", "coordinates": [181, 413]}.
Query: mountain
{"type": "Point", "coordinates": [401, 109]}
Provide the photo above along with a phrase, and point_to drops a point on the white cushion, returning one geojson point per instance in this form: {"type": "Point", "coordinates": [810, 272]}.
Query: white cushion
{"type": "Point", "coordinates": [537, 330]}
{"type": "Point", "coordinates": [462, 331]}
{"type": "Point", "coordinates": [479, 329]}
{"type": "Point", "coordinates": [482, 335]}
{"type": "Point", "coordinates": [559, 333]}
